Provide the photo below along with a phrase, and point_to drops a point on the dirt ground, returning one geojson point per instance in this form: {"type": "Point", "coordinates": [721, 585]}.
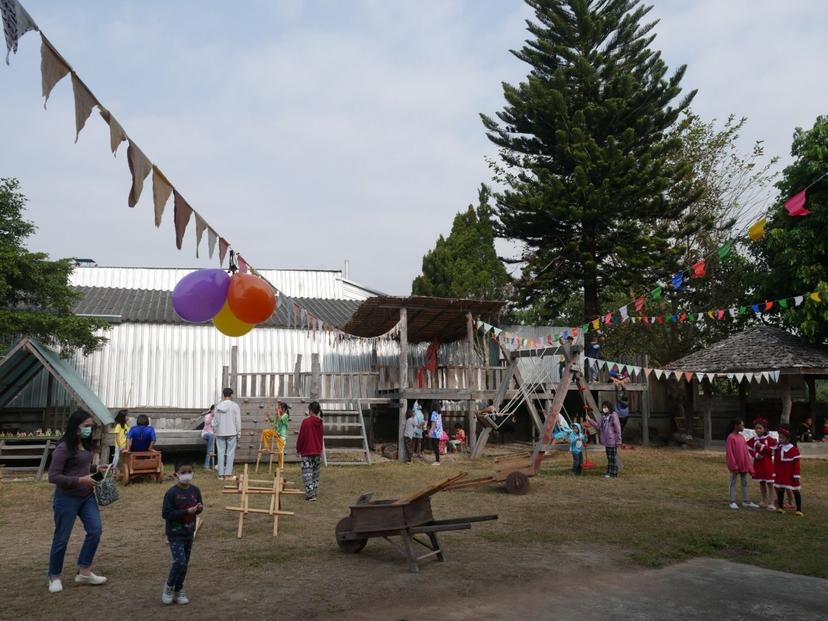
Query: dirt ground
{"type": "Point", "coordinates": [548, 551]}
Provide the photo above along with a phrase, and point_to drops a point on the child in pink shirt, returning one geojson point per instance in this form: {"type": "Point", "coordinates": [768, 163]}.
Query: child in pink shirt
{"type": "Point", "coordinates": [739, 462]}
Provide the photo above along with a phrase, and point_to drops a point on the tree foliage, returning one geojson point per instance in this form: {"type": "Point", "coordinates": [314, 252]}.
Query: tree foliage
{"type": "Point", "coordinates": [35, 297]}
{"type": "Point", "coordinates": [465, 264]}
{"type": "Point", "coordinates": [793, 255]}
{"type": "Point", "coordinates": [595, 185]}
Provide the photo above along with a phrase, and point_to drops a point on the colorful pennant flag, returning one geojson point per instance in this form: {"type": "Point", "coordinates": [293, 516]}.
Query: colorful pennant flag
{"type": "Point", "coordinates": [139, 168]}
{"type": "Point", "coordinates": [181, 216]}
{"type": "Point", "coordinates": [795, 205]}
{"type": "Point", "coordinates": [678, 280]}
{"type": "Point", "coordinates": [726, 248]}
{"type": "Point", "coordinates": [639, 304]}
{"type": "Point", "coordinates": [815, 296]}
{"type": "Point", "coordinates": [757, 231]}
{"type": "Point", "coordinates": [698, 269]}
{"type": "Point", "coordinates": [656, 293]}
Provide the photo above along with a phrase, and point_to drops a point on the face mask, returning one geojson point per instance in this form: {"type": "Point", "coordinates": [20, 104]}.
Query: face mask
{"type": "Point", "coordinates": [185, 477]}
{"type": "Point", "coordinates": [606, 410]}
{"type": "Point", "coordinates": [85, 432]}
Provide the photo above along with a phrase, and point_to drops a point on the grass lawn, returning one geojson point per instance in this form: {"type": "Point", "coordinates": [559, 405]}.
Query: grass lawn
{"type": "Point", "coordinates": [668, 505]}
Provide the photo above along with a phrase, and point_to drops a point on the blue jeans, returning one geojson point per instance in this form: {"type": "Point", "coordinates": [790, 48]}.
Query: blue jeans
{"type": "Point", "coordinates": [225, 454]}
{"type": "Point", "coordinates": [210, 441]}
{"type": "Point", "coordinates": [66, 509]}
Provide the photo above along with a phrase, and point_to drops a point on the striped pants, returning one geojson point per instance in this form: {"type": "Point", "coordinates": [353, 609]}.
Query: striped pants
{"type": "Point", "coordinates": [612, 460]}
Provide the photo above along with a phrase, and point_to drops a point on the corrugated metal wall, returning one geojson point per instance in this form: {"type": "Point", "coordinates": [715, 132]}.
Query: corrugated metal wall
{"type": "Point", "coordinates": [297, 283]}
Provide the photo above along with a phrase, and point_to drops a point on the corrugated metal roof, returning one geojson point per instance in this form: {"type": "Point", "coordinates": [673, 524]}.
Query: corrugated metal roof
{"type": "Point", "coordinates": [27, 358]}
{"type": "Point", "coordinates": [154, 306]}
{"type": "Point", "coordinates": [327, 284]}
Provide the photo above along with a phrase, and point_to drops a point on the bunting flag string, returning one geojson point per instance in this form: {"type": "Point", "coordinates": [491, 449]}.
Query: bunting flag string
{"type": "Point", "coordinates": [54, 67]}
{"type": "Point", "coordinates": [631, 371]}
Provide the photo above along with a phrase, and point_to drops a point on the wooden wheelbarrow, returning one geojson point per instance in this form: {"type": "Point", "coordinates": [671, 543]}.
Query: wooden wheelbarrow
{"type": "Point", "coordinates": [514, 471]}
{"type": "Point", "coordinates": [405, 518]}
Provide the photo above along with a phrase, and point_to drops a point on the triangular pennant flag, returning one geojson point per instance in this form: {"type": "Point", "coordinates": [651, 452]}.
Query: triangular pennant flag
{"type": "Point", "coordinates": [766, 376]}
{"type": "Point", "coordinates": [623, 311]}
{"type": "Point", "coordinates": [795, 205]}
{"type": "Point", "coordinates": [682, 316]}
{"type": "Point", "coordinates": [242, 264]}
{"type": "Point", "coordinates": [730, 376]}
{"type": "Point", "coordinates": [710, 314]}
{"type": "Point", "coordinates": [757, 231]}
{"type": "Point", "coordinates": [798, 300]}
{"type": "Point", "coordinates": [699, 316]}
{"type": "Point", "coordinates": [84, 102]}
{"type": "Point", "coordinates": [775, 376]}
{"type": "Point", "coordinates": [16, 23]}
{"type": "Point", "coordinates": [783, 303]}
{"type": "Point", "coordinates": [674, 318]}
{"type": "Point", "coordinates": [720, 314]}
{"type": "Point", "coordinates": [608, 319]}
{"type": "Point", "coordinates": [201, 226]}
{"type": "Point", "coordinates": [815, 296]}
{"type": "Point", "coordinates": [725, 250]}
{"type": "Point", "coordinates": [739, 377]}
{"type": "Point", "coordinates": [52, 68]}
{"type": "Point", "coordinates": [733, 312]}
{"type": "Point", "coordinates": [711, 377]}
{"type": "Point", "coordinates": [656, 293]}
{"type": "Point", "coordinates": [678, 280]}
{"type": "Point", "coordinates": [596, 323]}
{"type": "Point", "coordinates": [639, 304]}
{"type": "Point", "coordinates": [688, 376]}
{"type": "Point", "coordinates": [743, 310]}
{"type": "Point", "coordinates": [677, 375]}
{"type": "Point", "coordinates": [139, 168]}
{"type": "Point", "coordinates": [750, 377]}
{"type": "Point", "coordinates": [659, 373]}
{"type": "Point", "coordinates": [698, 269]}
{"type": "Point", "coordinates": [117, 135]}
{"type": "Point", "coordinates": [768, 305]}
{"type": "Point", "coordinates": [181, 216]}
{"type": "Point", "coordinates": [161, 190]}
{"type": "Point", "coordinates": [647, 371]}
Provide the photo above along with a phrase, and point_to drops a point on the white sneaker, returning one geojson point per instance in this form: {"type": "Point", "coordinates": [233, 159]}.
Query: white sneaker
{"type": "Point", "coordinates": [168, 596]}
{"type": "Point", "coordinates": [55, 586]}
{"type": "Point", "coordinates": [750, 505]}
{"type": "Point", "coordinates": [436, 463]}
{"type": "Point", "coordinates": [733, 505]}
{"type": "Point", "coordinates": [90, 579]}
{"type": "Point", "coordinates": [181, 598]}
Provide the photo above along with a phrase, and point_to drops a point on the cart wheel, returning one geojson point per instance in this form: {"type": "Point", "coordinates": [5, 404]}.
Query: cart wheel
{"type": "Point", "coordinates": [351, 546]}
{"type": "Point", "coordinates": [517, 483]}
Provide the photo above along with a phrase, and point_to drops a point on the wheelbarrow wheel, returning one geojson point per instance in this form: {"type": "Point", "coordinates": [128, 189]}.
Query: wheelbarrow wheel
{"type": "Point", "coordinates": [351, 546]}
{"type": "Point", "coordinates": [517, 483]}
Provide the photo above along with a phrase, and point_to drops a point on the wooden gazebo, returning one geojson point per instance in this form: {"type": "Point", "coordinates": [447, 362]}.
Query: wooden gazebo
{"type": "Point", "coordinates": [757, 349]}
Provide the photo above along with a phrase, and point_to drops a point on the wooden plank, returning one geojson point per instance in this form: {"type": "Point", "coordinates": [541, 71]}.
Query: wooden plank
{"type": "Point", "coordinates": [428, 491]}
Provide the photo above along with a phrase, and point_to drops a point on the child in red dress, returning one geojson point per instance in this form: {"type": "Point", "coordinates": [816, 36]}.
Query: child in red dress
{"type": "Point", "coordinates": [786, 471]}
{"type": "Point", "coordinates": [762, 447]}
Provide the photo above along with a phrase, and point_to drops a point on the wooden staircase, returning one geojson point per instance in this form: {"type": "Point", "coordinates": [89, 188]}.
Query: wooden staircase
{"type": "Point", "coordinates": [345, 442]}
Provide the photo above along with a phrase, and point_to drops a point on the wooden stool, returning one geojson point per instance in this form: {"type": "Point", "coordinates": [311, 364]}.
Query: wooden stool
{"type": "Point", "coordinates": [269, 450]}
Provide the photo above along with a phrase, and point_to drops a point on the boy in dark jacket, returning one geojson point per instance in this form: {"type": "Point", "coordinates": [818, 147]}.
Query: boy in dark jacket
{"type": "Point", "coordinates": [309, 448]}
{"type": "Point", "coordinates": [182, 503]}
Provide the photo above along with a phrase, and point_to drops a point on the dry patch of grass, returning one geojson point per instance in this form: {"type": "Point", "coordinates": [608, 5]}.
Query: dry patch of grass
{"type": "Point", "coordinates": [668, 505]}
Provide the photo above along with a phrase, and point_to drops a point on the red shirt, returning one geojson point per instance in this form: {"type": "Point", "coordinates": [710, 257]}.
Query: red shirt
{"type": "Point", "coordinates": [309, 442]}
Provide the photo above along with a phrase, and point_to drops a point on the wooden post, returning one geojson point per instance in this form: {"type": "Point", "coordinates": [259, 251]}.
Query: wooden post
{"type": "Point", "coordinates": [316, 369]}
{"type": "Point", "coordinates": [786, 400]}
{"type": "Point", "coordinates": [645, 407]}
{"type": "Point", "coordinates": [471, 376]}
{"type": "Point", "coordinates": [403, 383]}
{"type": "Point", "coordinates": [297, 377]}
{"type": "Point", "coordinates": [49, 386]}
{"type": "Point", "coordinates": [234, 368]}
{"type": "Point", "coordinates": [708, 414]}
{"type": "Point", "coordinates": [812, 401]}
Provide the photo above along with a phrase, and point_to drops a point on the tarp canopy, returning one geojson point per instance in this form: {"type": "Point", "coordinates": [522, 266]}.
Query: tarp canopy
{"type": "Point", "coordinates": [25, 360]}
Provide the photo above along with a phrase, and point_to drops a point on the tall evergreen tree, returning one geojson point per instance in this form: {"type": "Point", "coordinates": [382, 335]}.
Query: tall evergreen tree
{"type": "Point", "coordinates": [35, 297]}
{"type": "Point", "coordinates": [595, 189]}
{"type": "Point", "coordinates": [465, 264]}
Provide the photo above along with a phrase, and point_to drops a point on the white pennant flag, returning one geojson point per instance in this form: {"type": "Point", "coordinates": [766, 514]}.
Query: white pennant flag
{"type": "Point", "coordinates": [740, 377]}
{"type": "Point", "coordinates": [730, 376]}
{"type": "Point", "coordinates": [776, 376]}
{"type": "Point", "coordinates": [658, 373]}
{"type": "Point", "coordinates": [200, 227]}
{"type": "Point", "coordinates": [84, 103]}
{"type": "Point", "coordinates": [52, 68]}
{"type": "Point", "coordinates": [624, 313]}
{"type": "Point", "coordinates": [766, 376]}
{"type": "Point", "coordinates": [711, 377]}
{"type": "Point", "coordinates": [16, 23]}
{"type": "Point", "coordinates": [798, 300]}
{"type": "Point", "coordinates": [677, 375]}
{"type": "Point", "coordinates": [733, 312]}
{"type": "Point", "coordinates": [212, 238]}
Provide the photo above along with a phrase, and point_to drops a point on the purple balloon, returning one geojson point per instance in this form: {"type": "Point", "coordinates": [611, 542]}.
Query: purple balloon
{"type": "Point", "coordinates": [199, 296]}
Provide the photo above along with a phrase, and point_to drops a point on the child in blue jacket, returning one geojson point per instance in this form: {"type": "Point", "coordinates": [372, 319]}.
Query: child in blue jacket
{"type": "Point", "coordinates": [576, 448]}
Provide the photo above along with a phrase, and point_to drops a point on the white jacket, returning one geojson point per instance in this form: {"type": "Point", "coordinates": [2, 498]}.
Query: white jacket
{"type": "Point", "coordinates": [227, 420]}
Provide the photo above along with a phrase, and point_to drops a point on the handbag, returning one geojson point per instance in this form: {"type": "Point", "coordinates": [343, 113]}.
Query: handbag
{"type": "Point", "coordinates": [106, 490]}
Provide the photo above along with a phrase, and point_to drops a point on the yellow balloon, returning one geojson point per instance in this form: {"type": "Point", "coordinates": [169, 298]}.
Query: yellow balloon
{"type": "Point", "coordinates": [227, 323]}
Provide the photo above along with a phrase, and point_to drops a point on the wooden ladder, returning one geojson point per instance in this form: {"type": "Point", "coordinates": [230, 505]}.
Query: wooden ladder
{"type": "Point", "coordinates": [9, 452]}
{"type": "Point", "coordinates": [343, 436]}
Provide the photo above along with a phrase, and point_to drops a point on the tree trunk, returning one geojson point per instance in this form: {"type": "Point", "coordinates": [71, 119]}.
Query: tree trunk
{"type": "Point", "coordinates": [592, 308]}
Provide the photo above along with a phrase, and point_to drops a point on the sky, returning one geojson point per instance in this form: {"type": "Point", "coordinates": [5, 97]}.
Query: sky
{"type": "Point", "coordinates": [310, 132]}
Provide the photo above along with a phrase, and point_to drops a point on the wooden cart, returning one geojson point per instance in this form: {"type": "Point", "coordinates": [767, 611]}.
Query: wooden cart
{"type": "Point", "coordinates": [513, 471]}
{"type": "Point", "coordinates": [405, 518]}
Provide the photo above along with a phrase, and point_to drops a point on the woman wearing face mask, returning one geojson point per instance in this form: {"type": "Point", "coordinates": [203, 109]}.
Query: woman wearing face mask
{"type": "Point", "coordinates": [71, 472]}
{"type": "Point", "coordinates": [610, 438]}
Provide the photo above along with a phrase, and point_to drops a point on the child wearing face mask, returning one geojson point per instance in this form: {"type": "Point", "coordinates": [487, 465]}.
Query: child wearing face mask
{"type": "Point", "coordinates": [182, 503]}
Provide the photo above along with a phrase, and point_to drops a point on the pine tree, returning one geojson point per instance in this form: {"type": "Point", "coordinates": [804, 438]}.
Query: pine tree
{"type": "Point", "coordinates": [35, 297]}
{"type": "Point", "coordinates": [465, 264]}
{"type": "Point", "coordinates": [595, 189]}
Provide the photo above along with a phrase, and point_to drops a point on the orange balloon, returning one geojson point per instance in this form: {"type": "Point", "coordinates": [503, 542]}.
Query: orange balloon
{"type": "Point", "coordinates": [250, 298]}
{"type": "Point", "coordinates": [227, 323]}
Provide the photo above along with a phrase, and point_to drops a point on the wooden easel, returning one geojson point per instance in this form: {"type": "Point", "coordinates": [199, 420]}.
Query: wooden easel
{"type": "Point", "coordinates": [275, 488]}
